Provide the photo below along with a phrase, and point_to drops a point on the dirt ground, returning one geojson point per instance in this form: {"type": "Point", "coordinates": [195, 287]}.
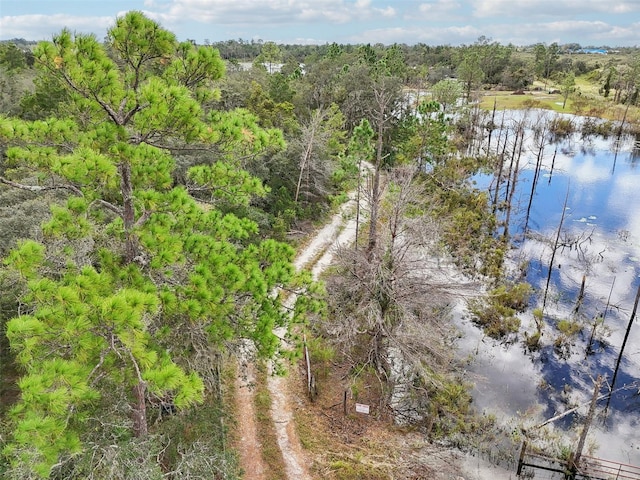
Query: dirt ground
{"type": "Point", "coordinates": [371, 447]}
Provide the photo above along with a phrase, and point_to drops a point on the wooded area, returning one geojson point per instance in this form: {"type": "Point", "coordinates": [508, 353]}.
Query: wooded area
{"type": "Point", "coordinates": [152, 196]}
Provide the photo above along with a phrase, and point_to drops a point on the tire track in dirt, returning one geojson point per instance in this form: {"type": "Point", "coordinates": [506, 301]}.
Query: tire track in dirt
{"type": "Point", "coordinates": [316, 256]}
{"type": "Point", "coordinates": [249, 446]}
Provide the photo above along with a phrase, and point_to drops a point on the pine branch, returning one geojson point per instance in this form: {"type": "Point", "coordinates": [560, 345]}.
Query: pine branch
{"type": "Point", "coordinates": [109, 206]}
{"type": "Point", "coordinates": [41, 188]}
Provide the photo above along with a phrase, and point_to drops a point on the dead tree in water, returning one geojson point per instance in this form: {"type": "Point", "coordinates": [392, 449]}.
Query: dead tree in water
{"type": "Point", "coordinates": [576, 309]}
{"type": "Point", "coordinates": [555, 249]}
{"type": "Point", "coordinates": [501, 157]}
{"type": "Point", "coordinates": [624, 344]}
{"type": "Point", "coordinates": [587, 422]}
{"type": "Point", "coordinates": [514, 171]}
{"type": "Point", "coordinates": [601, 320]}
{"type": "Point", "coordinates": [541, 130]}
{"type": "Point", "coordinates": [553, 163]}
{"type": "Point", "coordinates": [491, 125]}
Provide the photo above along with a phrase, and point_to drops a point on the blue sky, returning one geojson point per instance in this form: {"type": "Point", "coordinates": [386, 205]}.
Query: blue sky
{"type": "Point", "coordinates": [434, 22]}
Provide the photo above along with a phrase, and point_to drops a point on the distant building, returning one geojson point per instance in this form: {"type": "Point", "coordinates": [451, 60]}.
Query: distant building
{"type": "Point", "coordinates": [600, 51]}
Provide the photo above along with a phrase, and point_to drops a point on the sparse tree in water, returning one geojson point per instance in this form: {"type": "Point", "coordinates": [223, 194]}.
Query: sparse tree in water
{"type": "Point", "coordinates": [131, 260]}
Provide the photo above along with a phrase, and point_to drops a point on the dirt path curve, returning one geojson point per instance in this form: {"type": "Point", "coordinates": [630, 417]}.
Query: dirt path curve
{"type": "Point", "coordinates": [316, 256]}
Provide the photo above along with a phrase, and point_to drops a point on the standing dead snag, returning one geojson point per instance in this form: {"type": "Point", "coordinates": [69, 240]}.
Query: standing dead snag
{"type": "Point", "coordinates": [385, 93]}
{"type": "Point", "coordinates": [389, 305]}
{"type": "Point", "coordinates": [624, 344]}
{"type": "Point", "coordinates": [555, 249]}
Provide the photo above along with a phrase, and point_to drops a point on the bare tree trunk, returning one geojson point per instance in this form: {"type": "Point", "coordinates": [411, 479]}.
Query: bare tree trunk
{"type": "Point", "coordinates": [515, 170]}
{"type": "Point", "coordinates": [375, 194]}
{"type": "Point", "coordinates": [499, 176]}
{"type": "Point", "coordinates": [139, 406]}
{"type": "Point", "coordinates": [139, 410]}
{"type": "Point", "coordinates": [587, 422]}
{"type": "Point", "coordinates": [553, 164]}
{"type": "Point", "coordinates": [355, 243]}
{"type": "Point", "coordinates": [576, 309]}
{"type": "Point", "coordinates": [303, 165]}
{"type": "Point", "coordinates": [540, 138]}
{"type": "Point", "coordinates": [555, 249]}
{"type": "Point", "coordinates": [492, 125]}
{"type": "Point", "coordinates": [624, 344]}
{"type": "Point", "coordinates": [383, 101]}
{"type": "Point", "coordinates": [534, 183]}
{"type": "Point", "coordinates": [589, 348]}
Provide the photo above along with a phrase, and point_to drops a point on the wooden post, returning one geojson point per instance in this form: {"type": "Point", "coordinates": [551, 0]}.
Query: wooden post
{"type": "Point", "coordinates": [587, 423]}
{"type": "Point", "coordinates": [308, 361]}
{"type": "Point", "coordinates": [523, 450]}
{"type": "Point", "coordinates": [344, 403]}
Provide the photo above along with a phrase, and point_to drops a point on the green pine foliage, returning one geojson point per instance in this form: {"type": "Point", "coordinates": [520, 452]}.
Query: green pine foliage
{"type": "Point", "coordinates": [134, 274]}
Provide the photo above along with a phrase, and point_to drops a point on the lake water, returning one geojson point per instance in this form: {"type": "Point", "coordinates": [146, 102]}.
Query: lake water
{"type": "Point", "coordinates": [601, 233]}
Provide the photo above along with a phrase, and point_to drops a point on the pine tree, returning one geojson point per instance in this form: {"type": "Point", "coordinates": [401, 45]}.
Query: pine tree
{"type": "Point", "coordinates": [132, 261]}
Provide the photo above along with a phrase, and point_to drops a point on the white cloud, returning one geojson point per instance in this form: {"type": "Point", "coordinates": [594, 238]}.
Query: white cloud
{"type": "Point", "coordinates": [272, 11]}
{"type": "Point", "coordinates": [550, 8]}
{"type": "Point", "coordinates": [581, 31]}
{"type": "Point", "coordinates": [411, 35]}
{"type": "Point", "coordinates": [439, 7]}
{"type": "Point", "coordinates": [43, 27]}
{"type": "Point", "coordinates": [388, 12]}
{"type": "Point", "coordinates": [429, 21]}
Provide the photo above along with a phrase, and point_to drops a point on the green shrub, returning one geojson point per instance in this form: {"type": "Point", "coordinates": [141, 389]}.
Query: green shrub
{"type": "Point", "coordinates": [561, 127]}
{"type": "Point", "coordinates": [497, 314]}
{"type": "Point", "coordinates": [569, 327]}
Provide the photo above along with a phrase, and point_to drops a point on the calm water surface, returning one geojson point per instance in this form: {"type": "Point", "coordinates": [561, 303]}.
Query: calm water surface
{"type": "Point", "coordinates": [601, 233]}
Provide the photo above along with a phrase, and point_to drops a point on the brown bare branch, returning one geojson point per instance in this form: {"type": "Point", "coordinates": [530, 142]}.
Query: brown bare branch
{"type": "Point", "coordinates": [41, 188]}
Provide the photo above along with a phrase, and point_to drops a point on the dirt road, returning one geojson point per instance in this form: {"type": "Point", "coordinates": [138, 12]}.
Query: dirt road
{"type": "Point", "coordinates": [316, 256]}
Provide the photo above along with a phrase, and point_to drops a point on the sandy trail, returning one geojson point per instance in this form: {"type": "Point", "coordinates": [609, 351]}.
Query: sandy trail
{"type": "Point", "coordinates": [316, 256]}
{"type": "Point", "coordinates": [250, 448]}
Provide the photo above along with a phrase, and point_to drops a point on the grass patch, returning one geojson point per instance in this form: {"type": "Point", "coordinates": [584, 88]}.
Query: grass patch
{"type": "Point", "coordinates": [569, 327]}
{"type": "Point", "coordinates": [587, 101]}
{"type": "Point", "coordinates": [361, 458]}
{"type": "Point", "coordinates": [544, 100]}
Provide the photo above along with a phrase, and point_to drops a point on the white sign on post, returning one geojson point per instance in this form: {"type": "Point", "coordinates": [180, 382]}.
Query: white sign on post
{"type": "Point", "coordinates": [361, 408]}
